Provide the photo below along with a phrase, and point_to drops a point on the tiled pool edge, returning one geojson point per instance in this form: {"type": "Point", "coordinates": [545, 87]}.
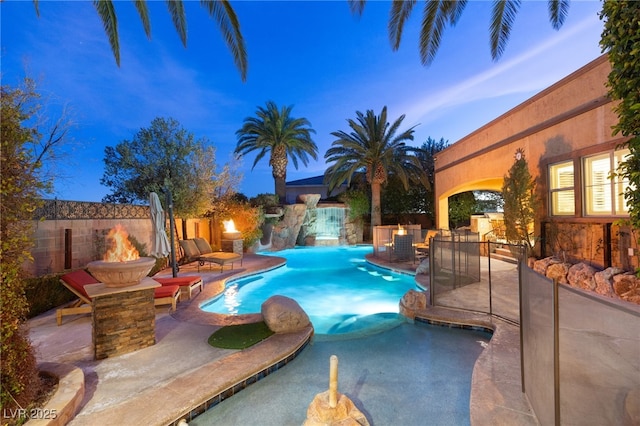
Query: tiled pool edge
{"type": "Point", "coordinates": [247, 379]}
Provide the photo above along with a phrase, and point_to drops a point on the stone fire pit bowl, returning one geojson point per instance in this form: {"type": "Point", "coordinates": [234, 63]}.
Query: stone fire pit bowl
{"type": "Point", "coordinates": [121, 274]}
{"type": "Point", "coordinates": [231, 235]}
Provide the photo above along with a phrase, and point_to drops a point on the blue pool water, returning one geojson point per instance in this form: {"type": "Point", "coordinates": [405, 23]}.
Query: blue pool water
{"type": "Point", "coordinates": [336, 287]}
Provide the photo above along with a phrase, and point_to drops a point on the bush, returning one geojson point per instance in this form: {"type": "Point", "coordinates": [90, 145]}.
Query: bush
{"type": "Point", "coordinates": [45, 293]}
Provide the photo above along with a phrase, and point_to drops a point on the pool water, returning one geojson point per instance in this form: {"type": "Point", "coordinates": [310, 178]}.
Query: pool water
{"type": "Point", "coordinates": [335, 286]}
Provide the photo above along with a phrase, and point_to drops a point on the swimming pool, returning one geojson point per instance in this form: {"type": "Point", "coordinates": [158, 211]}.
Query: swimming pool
{"type": "Point", "coordinates": [335, 286]}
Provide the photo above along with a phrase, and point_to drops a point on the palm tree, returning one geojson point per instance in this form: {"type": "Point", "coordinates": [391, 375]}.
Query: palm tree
{"type": "Point", "coordinates": [375, 148]}
{"type": "Point", "coordinates": [274, 130]}
{"type": "Point", "coordinates": [437, 14]}
{"type": "Point", "coordinates": [220, 10]}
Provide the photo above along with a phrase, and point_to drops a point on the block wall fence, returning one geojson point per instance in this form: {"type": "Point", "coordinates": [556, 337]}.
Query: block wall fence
{"type": "Point", "coordinates": [70, 234]}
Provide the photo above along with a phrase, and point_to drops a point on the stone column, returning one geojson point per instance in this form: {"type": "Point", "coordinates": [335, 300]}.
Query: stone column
{"type": "Point", "coordinates": [123, 319]}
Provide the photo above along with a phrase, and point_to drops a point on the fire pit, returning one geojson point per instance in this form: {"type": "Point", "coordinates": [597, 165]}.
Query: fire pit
{"type": "Point", "coordinates": [121, 274]}
{"type": "Point", "coordinates": [122, 265]}
{"type": "Point", "coordinates": [230, 232]}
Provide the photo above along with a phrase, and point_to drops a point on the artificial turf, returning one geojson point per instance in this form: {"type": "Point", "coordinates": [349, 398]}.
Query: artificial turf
{"type": "Point", "coordinates": [240, 336]}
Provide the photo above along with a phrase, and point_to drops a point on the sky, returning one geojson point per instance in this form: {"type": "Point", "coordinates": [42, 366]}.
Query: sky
{"type": "Point", "coordinates": [312, 55]}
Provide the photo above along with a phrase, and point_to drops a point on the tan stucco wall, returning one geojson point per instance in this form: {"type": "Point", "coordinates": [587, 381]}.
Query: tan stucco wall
{"type": "Point", "coordinates": [572, 115]}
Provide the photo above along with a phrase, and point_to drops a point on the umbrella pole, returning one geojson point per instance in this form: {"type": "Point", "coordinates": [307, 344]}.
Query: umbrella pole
{"type": "Point", "coordinates": [174, 266]}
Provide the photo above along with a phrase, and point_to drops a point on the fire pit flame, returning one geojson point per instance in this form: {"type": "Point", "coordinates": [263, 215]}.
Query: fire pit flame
{"type": "Point", "coordinates": [121, 249]}
{"type": "Point", "coordinates": [230, 232]}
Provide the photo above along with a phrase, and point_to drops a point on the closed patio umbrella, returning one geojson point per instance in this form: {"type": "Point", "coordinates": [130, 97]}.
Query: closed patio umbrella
{"type": "Point", "coordinates": [159, 243]}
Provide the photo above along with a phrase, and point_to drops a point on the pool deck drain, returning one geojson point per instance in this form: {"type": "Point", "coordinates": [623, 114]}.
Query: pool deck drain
{"type": "Point", "coordinates": [181, 374]}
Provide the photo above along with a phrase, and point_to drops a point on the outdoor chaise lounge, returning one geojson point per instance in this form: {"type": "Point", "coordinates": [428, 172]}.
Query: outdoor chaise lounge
{"type": "Point", "coordinates": [422, 249]}
{"type": "Point", "coordinates": [76, 280]}
{"type": "Point", "coordinates": [187, 284]}
{"type": "Point", "coordinates": [198, 249]}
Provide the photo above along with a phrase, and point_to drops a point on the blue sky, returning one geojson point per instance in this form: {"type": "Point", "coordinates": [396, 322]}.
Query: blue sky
{"type": "Point", "coordinates": [315, 56]}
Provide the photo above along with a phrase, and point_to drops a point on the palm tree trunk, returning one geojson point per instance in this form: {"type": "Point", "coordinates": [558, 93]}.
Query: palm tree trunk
{"type": "Point", "coordinates": [281, 189]}
{"type": "Point", "coordinates": [376, 217]}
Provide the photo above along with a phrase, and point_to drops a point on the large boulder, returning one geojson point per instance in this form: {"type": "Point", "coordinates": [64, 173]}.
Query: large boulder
{"type": "Point", "coordinates": [581, 275]}
{"type": "Point", "coordinates": [604, 281]}
{"type": "Point", "coordinates": [558, 272]}
{"type": "Point", "coordinates": [540, 266]}
{"type": "Point", "coordinates": [285, 232]}
{"type": "Point", "coordinates": [627, 287]}
{"type": "Point", "coordinates": [284, 315]}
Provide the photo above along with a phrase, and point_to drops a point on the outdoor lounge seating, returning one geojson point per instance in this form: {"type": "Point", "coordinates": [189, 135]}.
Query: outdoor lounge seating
{"type": "Point", "coordinates": [76, 280]}
{"type": "Point", "coordinates": [422, 249]}
{"type": "Point", "coordinates": [198, 249]}
{"type": "Point", "coordinates": [187, 284]}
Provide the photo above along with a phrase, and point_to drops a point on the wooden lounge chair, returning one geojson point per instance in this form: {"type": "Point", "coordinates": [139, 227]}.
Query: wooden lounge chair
{"type": "Point", "coordinates": [198, 249]}
{"type": "Point", "coordinates": [76, 280]}
{"type": "Point", "coordinates": [187, 284]}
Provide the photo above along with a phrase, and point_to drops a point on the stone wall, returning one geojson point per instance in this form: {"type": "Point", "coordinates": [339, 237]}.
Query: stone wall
{"type": "Point", "coordinates": [610, 282]}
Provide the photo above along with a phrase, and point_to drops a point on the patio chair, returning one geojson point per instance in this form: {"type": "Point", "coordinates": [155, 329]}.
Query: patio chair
{"type": "Point", "coordinates": [187, 284]}
{"type": "Point", "coordinates": [198, 249]}
{"type": "Point", "coordinates": [76, 280]}
{"type": "Point", "coordinates": [403, 247]}
{"type": "Point", "coordinates": [422, 249]}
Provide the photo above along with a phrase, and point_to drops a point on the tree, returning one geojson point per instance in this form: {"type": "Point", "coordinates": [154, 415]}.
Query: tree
{"type": "Point", "coordinates": [219, 10]}
{"type": "Point", "coordinates": [374, 148]}
{"type": "Point", "coordinates": [427, 153]}
{"type": "Point", "coordinates": [25, 148]}
{"type": "Point", "coordinates": [275, 131]}
{"type": "Point", "coordinates": [520, 202]}
{"type": "Point", "coordinates": [164, 155]}
{"type": "Point", "coordinates": [437, 14]}
{"type": "Point", "coordinates": [461, 207]}
{"type": "Point", "coordinates": [621, 38]}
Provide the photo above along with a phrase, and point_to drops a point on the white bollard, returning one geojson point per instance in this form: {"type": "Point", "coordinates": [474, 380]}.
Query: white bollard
{"type": "Point", "coordinates": [333, 381]}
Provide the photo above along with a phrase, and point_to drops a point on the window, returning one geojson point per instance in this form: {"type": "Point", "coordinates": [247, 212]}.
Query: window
{"type": "Point", "coordinates": [562, 189]}
{"type": "Point", "coordinates": [604, 194]}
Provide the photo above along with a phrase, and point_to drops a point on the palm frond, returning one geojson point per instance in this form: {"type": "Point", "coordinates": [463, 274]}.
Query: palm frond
{"type": "Point", "coordinates": [107, 14]}
{"type": "Point", "coordinates": [357, 6]}
{"type": "Point", "coordinates": [502, 16]}
{"type": "Point", "coordinates": [143, 12]}
{"type": "Point", "coordinates": [227, 20]}
{"type": "Point", "coordinates": [176, 10]}
{"type": "Point", "coordinates": [558, 10]}
{"type": "Point", "coordinates": [400, 11]}
{"type": "Point", "coordinates": [36, 5]}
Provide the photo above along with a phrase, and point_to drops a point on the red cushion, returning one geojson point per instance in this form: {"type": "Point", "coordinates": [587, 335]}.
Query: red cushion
{"type": "Point", "coordinates": [180, 281]}
{"type": "Point", "coordinates": [166, 291]}
{"type": "Point", "coordinates": [78, 279]}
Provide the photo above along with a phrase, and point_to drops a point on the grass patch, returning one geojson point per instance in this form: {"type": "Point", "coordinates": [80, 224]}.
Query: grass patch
{"type": "Point", "coordinates": [240, 336]}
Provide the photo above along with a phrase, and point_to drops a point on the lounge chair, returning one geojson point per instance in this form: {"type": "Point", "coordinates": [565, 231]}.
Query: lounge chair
{"type": "Point", "coordinates": [198, 249]}
{"type": "Point", "coordinates": [422, 249]}
{"type": "Point", "coordinates": [76, 280]}
{"type": "Point", "coordinates": [187, 284]}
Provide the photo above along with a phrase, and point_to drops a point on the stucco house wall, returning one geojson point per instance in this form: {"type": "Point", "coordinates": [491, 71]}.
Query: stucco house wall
{"type": "Point", "coordinates": [570, 119]}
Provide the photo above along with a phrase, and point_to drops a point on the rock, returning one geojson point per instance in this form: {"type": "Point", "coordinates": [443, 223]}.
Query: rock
{"type": "Point", "coordinates": [558, 271]}
{"type": "Point", "coordinates": [581, 275]}
{"type": "Point", "coordinates": [310, 200]}
{"type": "Point", "coordinates": [345, 413]}
{"type": "Point", "coordinates": [627, 287]}
{"type": "Point", "coordinates": [604, 281]}
{"type": "Point", "coordinates": [284, 315]}
{"type": "Point", "coordinates": [415, 299]}
{"type": "Point", "coordinates": [423, 267]}
{"type": "Point", "coordinates": [285, 233]}
{"type": "Point", "coordinates": [540, 266]}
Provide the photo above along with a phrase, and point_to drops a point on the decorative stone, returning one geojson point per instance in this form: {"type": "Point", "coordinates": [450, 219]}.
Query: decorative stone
{"type": "Point", "coordinates": [540, 266]}
{"type": "Point", "coordinates": [415, 299]}
{"type": "Point", "coordinates": [627, 287]}
{"type": "Point", "coordinates": [558, 271]}
{"type": "Point", "coordinates": [310, 200]}
{"type": "Point", "coordinates": [423, 267]}
{"type": "Point", "coordinates": [284, 315]}
{"type": "Point", "coordinates": [604, 281]}
{"type": "Point", "coordinates": [345, 413]}
{"type": "Point", "coordinates": [285, 233]}
{"type": "Point", "coordinates": [581, 275]}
